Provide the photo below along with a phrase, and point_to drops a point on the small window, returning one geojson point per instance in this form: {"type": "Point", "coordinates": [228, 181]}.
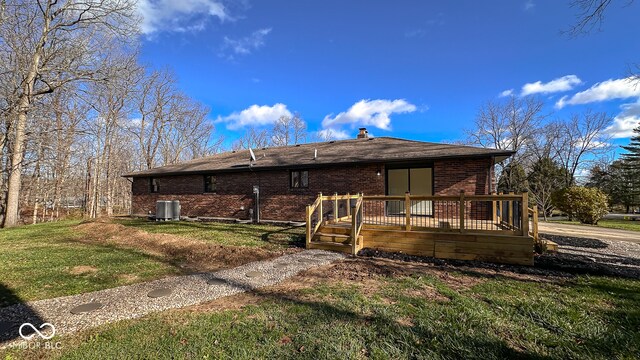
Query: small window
{"type": "Point", "coordinates": [209, 183]}
{"type": "Point", "coordinates": [300, 179]}
{"type": "Point", "coordinates": [154, 185]}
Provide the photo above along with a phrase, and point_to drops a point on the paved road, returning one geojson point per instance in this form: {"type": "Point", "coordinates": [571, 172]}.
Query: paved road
{"type": "Point", "coordinates": [591, 232]}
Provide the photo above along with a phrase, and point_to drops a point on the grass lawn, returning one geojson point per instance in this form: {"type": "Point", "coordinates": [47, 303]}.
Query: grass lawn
{"type": "Point", "coordinates": [48, 260]}
{"type": "Point", "coordinates": [243, 234]}
{"type": "Point", "coordinates": [611, 224]}
{"type": "Point", "coordinates": [422, 313]}
{"type": "Point", "coordinates": [56, 259]}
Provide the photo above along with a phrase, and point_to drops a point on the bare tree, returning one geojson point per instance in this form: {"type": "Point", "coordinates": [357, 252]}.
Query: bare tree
{"type": "Point", "coordinates": [289, 131]}
{"type": "Point", "coordinates": [187, 134]}
{"type": "Point", "coordinates": [509, 125]}
{"type": "Point", "coordinates": [51, 43]}
{"type": "Point", "coordinates": [154, 100]}
{"type": "Point", "coordinates": [581, 140]}
{"type": "Point", "coordinates": [252, 139]}
{"type": "Point", "coordinates": [590, 15]}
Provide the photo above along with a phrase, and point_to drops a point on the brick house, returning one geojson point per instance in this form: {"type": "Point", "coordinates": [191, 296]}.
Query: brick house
{"type": "Point", "coordinates": [288, 178]}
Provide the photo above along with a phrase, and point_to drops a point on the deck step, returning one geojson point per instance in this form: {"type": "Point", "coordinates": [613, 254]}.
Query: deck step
{"type": "Point", "coordinates": [342, 230]}
{"type": "Point", "coordinates": [331, 246]}
{"type": "Point", "coordinates": [328, 237]}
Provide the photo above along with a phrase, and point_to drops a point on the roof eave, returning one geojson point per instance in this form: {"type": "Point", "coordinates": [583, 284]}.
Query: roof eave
{"type": "Point", "coordinates": [496, 154]}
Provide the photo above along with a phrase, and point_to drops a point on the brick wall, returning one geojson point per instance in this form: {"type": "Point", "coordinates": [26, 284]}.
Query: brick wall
{"type": "Point", "coordinates": [235, 190]}
{"type": "Point", "coordinates": [233, 197]}
{"type": "Point", "coordinates": [474, 176]}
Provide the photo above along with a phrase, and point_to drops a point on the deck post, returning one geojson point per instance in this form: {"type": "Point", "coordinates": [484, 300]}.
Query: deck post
{"type": "Point", "coordinates": [308, 220]}
{"type": "Point", "coordinates": [535, 222]}
{"type": "Point", "coordinates": [407, 210]}
{"type": "Point", "coordinates": [494, 209]}
{"type": "Point", "coordinates": [462, 206]}
{"type": "Point", "coordinates": [500, 209]}
{"type": "Point", "coordinates": [335, 207]}
{"type": "Point", "coordinates": [525, 214]}
{"type": "Point", "coordinates": [354, 224]}
{"type": "Point", "coordinates": [510, 212]}
{"type": "Point", "coordinates": [320, 208]}
{"type": "Point", "coordinates": [347, 207]}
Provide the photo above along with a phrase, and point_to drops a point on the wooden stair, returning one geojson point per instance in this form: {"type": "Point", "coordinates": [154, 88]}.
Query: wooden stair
{"type": "Point", "coordinates": [334, 238]}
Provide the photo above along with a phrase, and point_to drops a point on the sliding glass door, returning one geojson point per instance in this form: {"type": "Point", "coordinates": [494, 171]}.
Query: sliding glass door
{"type": "Point", "coordinates": [418, 181]}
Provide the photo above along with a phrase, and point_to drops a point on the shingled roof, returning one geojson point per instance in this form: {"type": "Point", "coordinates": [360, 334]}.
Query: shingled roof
{"type": "Point", "coordinates": [367, 150]}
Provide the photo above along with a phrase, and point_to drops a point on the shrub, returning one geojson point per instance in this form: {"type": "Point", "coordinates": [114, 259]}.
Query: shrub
{"type": "Point", "coordinates": [587, 205]}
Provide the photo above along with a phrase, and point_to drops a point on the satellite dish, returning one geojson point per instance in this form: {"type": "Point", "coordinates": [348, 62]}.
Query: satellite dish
{"type": "Point", "coordinates": [253, 156]}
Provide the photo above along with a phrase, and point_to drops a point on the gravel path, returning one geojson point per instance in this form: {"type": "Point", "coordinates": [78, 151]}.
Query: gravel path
{"type": "Point", "coordinates": [593, 256]}
{"type": "Point", "coordinates": [133, 301]}
{"type": "Point", "coordinates": [589, 232]}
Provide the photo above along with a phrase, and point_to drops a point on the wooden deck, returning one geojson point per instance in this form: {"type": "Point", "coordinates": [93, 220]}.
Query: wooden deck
{"type": "Point", "coordinates": [469, 235]}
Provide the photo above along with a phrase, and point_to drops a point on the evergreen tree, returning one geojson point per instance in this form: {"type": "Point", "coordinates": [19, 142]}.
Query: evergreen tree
{"type": "Point", "coordinates": [631, 161]}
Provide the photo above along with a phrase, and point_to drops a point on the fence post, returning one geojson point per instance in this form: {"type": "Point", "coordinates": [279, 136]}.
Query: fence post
{"type": "Point", "coordinates": [320, 215]}
{"type": "Point", "coordinates": [525, 214]}
{"type": "Point", "coordinates": [462, 206]}
{"type": "Point", "coordinates": [510, 212]}
{"type": "Point", "coordinates": [407, 210]}
{"type": "Point", "coordinates": [308, 219]}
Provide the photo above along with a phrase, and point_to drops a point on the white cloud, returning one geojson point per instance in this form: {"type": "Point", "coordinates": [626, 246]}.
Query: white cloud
{"type": "Point", "coordinates": [603, 91]}
{"type": "Point", "coordinates": [247, 44]}
{"type": "Point", "coordinates": [180, 16]}
{"type": "Point", "coordinates": [505, 93]}
{"type": "Point", "coordinates": [370, 112]}
{"type": "Point", "coordinates": [529, 4]}
{"type": "Point", "coordinates": [255, 115]}
{"type": "Point", "coordinates": [623, 126]}
{"type": "Point", "coordinates": [332, 134]}
{"type": "Point", "coordinates": [564, 83]}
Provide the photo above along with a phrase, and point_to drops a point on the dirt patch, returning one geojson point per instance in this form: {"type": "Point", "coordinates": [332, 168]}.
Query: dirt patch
{"type": "Point", "coordinates": [426, 292]}
{"type": "Point", "coordinates": [83, 270]}
{"type": "Point", "coordinates": [128, 278]}
{"type": "Point", "coordinates": [405, 321]}
{"type": "Point", "coordinates": [187, 254]}
{"type": "Point", "coordinates": [234, 302]}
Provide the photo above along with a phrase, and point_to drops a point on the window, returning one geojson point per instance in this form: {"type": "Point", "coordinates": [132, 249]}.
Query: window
{"type": "Point", "coordinates": [299, 179]}
{"type": "Point", "coordinates": [154, 185]}
{"type": "Point", "coordinates": [209, 183]}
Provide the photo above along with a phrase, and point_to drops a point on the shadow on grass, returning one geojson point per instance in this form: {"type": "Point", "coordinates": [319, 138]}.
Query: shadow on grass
{"type": "Point", "coordinates": [11, 317]}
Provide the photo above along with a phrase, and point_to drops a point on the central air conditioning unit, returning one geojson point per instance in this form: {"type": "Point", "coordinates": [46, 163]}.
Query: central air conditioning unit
{"type": "Point", "coordinates": [164, 210]}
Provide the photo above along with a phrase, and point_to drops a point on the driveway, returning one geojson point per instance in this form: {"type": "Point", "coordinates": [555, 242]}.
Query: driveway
{"type": "Point", "coordinates": [590, 232]}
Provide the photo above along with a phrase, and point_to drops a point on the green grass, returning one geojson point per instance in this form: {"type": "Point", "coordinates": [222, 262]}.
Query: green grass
{"type": "Point", "coordinates": [585, 318]}
{"type": "Point", "coordinates": [269, 236]}
{"type": "Point", "coordinates": [36, 263]}
{"type": "Point", "coordinates": [610, 224]}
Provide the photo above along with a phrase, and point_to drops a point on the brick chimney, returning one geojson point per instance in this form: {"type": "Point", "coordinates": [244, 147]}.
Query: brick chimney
{"type": "Point", "coordinates": [363, 134]}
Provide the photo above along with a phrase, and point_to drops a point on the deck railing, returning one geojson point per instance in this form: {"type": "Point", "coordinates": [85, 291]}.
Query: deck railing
{"type": "Point", "coordinates": [507, 214]}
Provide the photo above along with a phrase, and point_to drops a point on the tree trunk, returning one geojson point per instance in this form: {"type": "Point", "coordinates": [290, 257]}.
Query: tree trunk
{"type": "Point", "coordinates": [15, 173]}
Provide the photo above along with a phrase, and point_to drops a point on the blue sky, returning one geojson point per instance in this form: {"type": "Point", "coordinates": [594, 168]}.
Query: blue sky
{"type": "Point", "coordinates": [412, 69]}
